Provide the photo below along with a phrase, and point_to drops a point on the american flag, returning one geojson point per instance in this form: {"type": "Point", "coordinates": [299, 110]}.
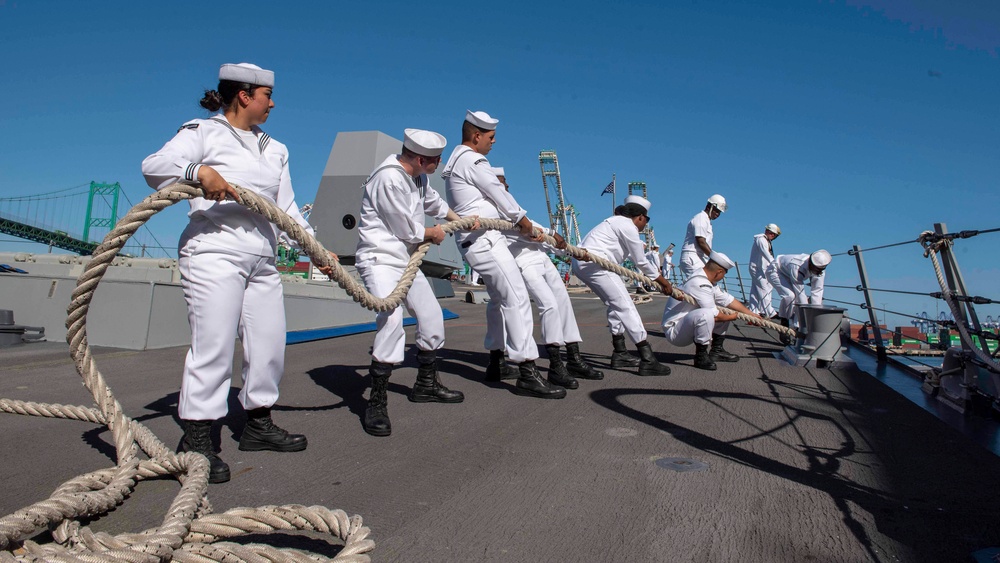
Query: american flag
{"type": "Point", "coordinates": [610, 189]}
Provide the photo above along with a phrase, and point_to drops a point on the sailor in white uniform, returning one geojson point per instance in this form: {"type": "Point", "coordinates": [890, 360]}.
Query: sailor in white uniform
{"type": "Point", "coordinates": [761, 256]}
{"type": "Point", "coordinates": [703, 324]}
{"type": "Point", "coordinates": [788, 274]}
{"type": "Point", "coordinates": [615, 239]}
{"type": "Point", "coordinates": [227, 262]}
{"type": "Point", "coordinates": [546, 288]}
{"type": "Point", "coordinates": [668, 262]}
{"type": "Point", "coordinates": [396, 198]}
{"type": "Point", "coordinates": [473, 189]}
{"type": "Point", "coordinates": [653, 257]}
{"type": "Point", "coordinates": [698, 238]}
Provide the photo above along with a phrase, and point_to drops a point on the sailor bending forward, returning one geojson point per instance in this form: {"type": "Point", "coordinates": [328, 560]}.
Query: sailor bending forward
{"type": "Point", "coordinates": [555, 310]}
{"type": "Point", "coordinates": [788, 274]}
{"type": "Point", "coordinates": [473, 189]}
{"type": "Point", "coordinates": [391, 227]}
{"type": "Point", "coordinates": [703, 324]}
{"type": "Point", "coordinates": [614, 239]}
{"type": "Point", "coordinates": [226, 260]}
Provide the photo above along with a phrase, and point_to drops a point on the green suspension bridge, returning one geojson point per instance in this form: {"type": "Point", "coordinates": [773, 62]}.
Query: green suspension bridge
{"type": "Point", "coordinates": [75, 219]}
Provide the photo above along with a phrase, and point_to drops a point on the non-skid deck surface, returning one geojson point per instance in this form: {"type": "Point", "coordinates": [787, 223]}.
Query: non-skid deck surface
{"type": "Point", "coordinates": [781, 463]}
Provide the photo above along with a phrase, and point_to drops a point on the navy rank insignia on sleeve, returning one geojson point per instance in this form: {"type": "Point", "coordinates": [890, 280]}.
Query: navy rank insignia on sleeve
{"type": "Point", "coordinates": [187, 126]}
{"type": "Point", "coordinates": [480, 161]}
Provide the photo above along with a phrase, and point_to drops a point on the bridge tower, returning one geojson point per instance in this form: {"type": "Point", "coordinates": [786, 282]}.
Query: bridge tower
{"type": "Point", "coordinates": [558, 219]}
{"type": "Point", "coordinates": [107, 222]}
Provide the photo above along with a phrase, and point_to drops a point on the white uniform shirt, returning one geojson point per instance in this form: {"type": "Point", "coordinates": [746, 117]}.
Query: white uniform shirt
{"type": "Point", "coordinates": [654, 259]}
{"type": "Point", "coordinates": [616, 238]}
{"type": "Point", "coordinates": [699, 226]}
{"type": "Point", "coordinates": [392, 214]}
{"type": "Point", "coordinates": [796, 268]}
{"type": "Point", "coordinates": [705, 294]}
{"type": "Point", "coordinates": [473, 189]}
{"type": "Point", "coordinates": [518, 243]}
{"type": "Point", "coordinates": [760, 254]}
{"type": "Point", "coordinates": [249, 159]}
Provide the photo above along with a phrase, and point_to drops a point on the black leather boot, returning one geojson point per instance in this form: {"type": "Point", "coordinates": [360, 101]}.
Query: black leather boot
{"type": "Point", "coordinates": [621, 358]}
{"type": "Point", "coordinates": [649, 365]}
{"type": "Point", "coordinates": [376, 421]}
{"type": "Point", "coordinates": [720, 354]}
{"type": "Point", "coordinates": [702, 359]}
{"type": "Point", "coordinates": [499, 369]}
{"type": "Point", "coordinates": [198, 438]}
{"type": "Point", "coordinates": [785, 339]}
{"type": "Point", "coordinates": [261, 433]}
{"type": "Point", "coordinates": [576, 366]}
{"type": "Point", "coordinates": [557, 370]}
{"type": "Point", "coordinates": [531, 384]}
{"type": "Point", "coordinates": [428, 388]}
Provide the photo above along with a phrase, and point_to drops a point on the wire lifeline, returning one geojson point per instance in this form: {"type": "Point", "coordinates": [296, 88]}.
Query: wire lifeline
{"type": "Point", "coordinates": [932, 244]}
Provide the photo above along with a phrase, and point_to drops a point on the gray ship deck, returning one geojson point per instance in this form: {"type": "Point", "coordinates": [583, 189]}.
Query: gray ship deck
{"type": "Point", "coordinates": [803, 464]}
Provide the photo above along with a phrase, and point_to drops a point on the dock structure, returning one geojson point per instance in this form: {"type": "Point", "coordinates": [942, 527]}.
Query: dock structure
{"type": "Point", "coordinates": [758, 461]}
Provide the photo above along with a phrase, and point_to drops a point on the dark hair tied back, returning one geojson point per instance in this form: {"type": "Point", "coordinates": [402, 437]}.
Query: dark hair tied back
{"type": "Point", "coordinates": [212, 100]}
{"type": "Point", "coordinates": [620, 210]}
{"type": "Point", "coordinates": [224, 96]}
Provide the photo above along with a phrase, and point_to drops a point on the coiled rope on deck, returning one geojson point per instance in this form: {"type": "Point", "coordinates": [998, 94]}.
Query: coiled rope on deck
{"type": "Point", "coordinates": [189, 531]}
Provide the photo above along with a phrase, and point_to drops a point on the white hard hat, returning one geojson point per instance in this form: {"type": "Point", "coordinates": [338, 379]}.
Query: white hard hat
{"type": "Point", "coordinates": [773, 228]}
{"type": "Point", "coordinates": [820, 258]}
{"type": "Point", "coordinates": [719, 202]}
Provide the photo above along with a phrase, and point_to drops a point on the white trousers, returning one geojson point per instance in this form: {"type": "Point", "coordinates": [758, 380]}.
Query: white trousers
{"type": "Point", "coordinates": [623, 318]}
{"type": "Point", "coordinates": [790, 292]}
{"type": "Point", "coordinates": [760, 294]}
{"type": "Point", "coordinates": [551, 298]}
{"type": "Point", "coordinates": [490, 256]}
{"type": "Point", "coordinates": [691, 264]}
{"type": "Point", "coordinates": [230, 294]}
{"type": "Point", "coordinates": [697, 326]}
{"type": "Point", "coordinates": [390, 340]}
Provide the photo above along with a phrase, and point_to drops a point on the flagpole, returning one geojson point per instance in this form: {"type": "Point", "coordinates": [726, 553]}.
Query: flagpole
{"type": "Point", "coordinates": [614, 188]}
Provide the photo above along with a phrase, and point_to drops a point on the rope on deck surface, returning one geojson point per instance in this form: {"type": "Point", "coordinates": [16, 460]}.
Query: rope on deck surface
{"type": "Point", "coordinates": [189, 529]}
{"type": "Point", "coordinates": [932, 244]}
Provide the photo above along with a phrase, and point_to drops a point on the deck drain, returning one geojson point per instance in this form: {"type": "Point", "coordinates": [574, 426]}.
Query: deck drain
{"type": "Point", "coordinates": [681, 464]}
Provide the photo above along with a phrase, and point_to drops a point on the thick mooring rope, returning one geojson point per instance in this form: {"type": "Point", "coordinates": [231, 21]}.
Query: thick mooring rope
{"type": "Point", "coordinates": [932, 245]}
{"type": "Point", "coordinates": [189, 531]}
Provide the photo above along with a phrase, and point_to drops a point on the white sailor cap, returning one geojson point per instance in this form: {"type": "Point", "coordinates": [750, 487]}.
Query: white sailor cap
{"type": "Point", "coordinates": [498, 171]}
{"type": "Point", "coordinates": [639, 200]}
{"type": "Point", "coordinates": [246, 72]}
{"type": "Point", "coordinates": [481, 119]}
{"type": "Point", "coordinates": [721, 259]}
{"type": "Point", "coordinates": [425, 143]}
{"type": "Point", "coordinates": [820, 258]}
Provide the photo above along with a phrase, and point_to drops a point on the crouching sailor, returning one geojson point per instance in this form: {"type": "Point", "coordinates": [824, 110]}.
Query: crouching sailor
{"type": "Point", "coordinates": [226, 261]}
{"type": "Point", "coordinates": [614, 239]}
{"type": "Point", "coordinates": [391, 227]}
{"type": "Point", "coordinates": [703, 324]}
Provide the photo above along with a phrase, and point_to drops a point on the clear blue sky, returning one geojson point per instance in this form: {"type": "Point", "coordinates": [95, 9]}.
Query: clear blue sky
{"type": "Point", "coordinates": [842, 121]}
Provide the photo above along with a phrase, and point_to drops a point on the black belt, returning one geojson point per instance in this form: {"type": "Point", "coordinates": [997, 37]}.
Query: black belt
{"type": "Point", "coordinates": [467, 244]}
